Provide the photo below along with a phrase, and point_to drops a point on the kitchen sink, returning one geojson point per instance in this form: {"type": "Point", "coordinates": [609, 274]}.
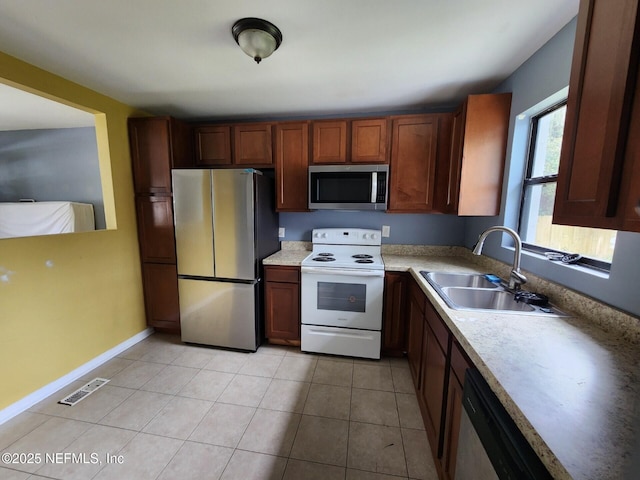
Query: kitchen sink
{"type": "Point", "coordinates": [484, 299]}
{"type": "Point", "coordinates": [474, 291]}
{"type": "Point", "coordinates": [471, 280]}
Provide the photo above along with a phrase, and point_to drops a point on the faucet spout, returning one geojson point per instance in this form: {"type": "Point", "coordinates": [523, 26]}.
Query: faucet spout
{"type": "Point", "coordinates": [516, 279]}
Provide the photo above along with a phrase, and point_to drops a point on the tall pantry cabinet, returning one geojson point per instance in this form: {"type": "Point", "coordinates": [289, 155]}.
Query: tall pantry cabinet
{"type": "Point", "coordinates": [158, 144]}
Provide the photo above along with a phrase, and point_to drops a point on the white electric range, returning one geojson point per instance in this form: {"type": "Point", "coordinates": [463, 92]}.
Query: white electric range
{"type": "Point", "coordinates": [342, 287]}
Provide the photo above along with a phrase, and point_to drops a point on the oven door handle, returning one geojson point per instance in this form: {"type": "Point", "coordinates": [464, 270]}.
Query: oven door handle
{"type": "Point", "coordinates": [350, 272]}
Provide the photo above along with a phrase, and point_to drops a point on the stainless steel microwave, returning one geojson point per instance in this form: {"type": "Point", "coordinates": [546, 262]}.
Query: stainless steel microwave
{"type": "Point", "coordinates": [348, 187]}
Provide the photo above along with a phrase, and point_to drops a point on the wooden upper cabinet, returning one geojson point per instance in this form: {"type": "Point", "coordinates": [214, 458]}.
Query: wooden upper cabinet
{"type": "Point", "coordinates": [252, 144]}
{"type": "Point", "coordinates": [470, 174]}
{"type": "Point", "coordinates": [369, 141]}
{"type": "Point", "coordinates": [350, 141]}
{"type": "Point", "coordinates": [413, 163]}
{"type": "Point", "coordinates": [292, 161]}
{"type": "Point", "coordinates": [329, 141]}
{"type": "Point", "coordinates": [157, 145]}
{"type": "Point", "coordinates": [599, 148]}
{"type": "Point", "coordinates": [213, 145]}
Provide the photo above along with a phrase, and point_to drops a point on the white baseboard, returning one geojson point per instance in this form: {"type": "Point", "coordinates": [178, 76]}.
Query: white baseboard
{"type": "Point", "coordinates": [30, 400]}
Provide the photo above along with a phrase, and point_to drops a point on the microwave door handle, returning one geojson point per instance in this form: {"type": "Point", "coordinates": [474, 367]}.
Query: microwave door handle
{"type": "Point", "coordinates": [374, 187]}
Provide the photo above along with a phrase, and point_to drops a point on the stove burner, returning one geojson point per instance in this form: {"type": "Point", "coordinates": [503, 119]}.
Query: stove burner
{"type": "Point", "coordinates": [362, 255]}
{"type": "Point", "coordinates": [323, 259]}
{"type": "Point", "coordinates": [325, 254]}
{"type": "Point", "coordinates": [364, 260]}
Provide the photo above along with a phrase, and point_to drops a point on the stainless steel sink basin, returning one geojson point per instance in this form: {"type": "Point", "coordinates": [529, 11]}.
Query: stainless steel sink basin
{"type": "Point", "coordinates": [483, 299]}
{"type": "Point", "coordinates": [472, 291]}
{"type": "Point", "coordinates": [470, 280]}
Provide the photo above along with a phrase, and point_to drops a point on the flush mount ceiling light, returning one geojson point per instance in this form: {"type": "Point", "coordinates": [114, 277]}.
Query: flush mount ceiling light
{"type": "Point", "coordinates": [256, 37]}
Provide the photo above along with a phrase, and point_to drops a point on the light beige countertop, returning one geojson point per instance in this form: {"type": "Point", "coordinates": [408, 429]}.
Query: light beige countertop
{"type": "Point", "coordinates": [571, 384]}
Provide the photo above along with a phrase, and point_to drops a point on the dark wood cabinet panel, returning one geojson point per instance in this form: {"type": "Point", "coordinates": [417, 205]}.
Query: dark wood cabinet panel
{"type": "Point", "coordinates": [470, 177]}
{"type": "Point", "coordinates": [155, 229]}
{"type": "Point", "coordinates": [394, 311]}
{"type": "Point", "coordinates": [459, 365]}
{"type": "Point", "coordinates": [415, 329]}
{"type": "Point", "coordinates": [282, 304]}
{"type": "Point", "coordinates": [213, 145]}
{"type": "Point", "coordinates": [157, 145]}
{"type": "Point", "coordinates": [161, 296]}
{"type": "Point", "coordinates": [252, 144]}
{"type": "Point", "coordinates": [369, 141]}
{"type": "Point", "coordinates": [432, 387]}
{"type": "Point", "coordinates": [451, 428]}
{"type": "Point", "coordinates": [594, 157]}
{"type": "Point", "coordinates": [413, 163]}
{"type": "Point", "coordinates": [329, 141]}
{"type": "Point", "coordinates": [291, 162]}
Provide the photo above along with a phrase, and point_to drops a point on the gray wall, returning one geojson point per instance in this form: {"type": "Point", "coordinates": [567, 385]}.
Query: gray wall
{"type": "Point", "coordinates": [544, 74]}
{"type": "Point", "coordinates": [52, 165]}
{"type": "Point", "coordinates": [408, 229]}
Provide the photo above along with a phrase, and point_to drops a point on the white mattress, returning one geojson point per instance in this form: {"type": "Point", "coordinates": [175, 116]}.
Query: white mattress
{"type": "Point", "coordinates": [27, 219]}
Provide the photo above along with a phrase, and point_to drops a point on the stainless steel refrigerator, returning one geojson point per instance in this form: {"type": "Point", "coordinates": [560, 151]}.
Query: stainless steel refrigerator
{"type": "Point", "coordinates": [225, 224]}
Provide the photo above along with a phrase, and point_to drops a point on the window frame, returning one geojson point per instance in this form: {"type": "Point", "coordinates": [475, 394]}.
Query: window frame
{"type": "Point", "coordinates": [528, 181]}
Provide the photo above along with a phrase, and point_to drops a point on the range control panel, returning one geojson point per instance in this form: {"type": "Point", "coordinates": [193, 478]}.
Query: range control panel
{"type": "Point", "coordinates": [346, 236]}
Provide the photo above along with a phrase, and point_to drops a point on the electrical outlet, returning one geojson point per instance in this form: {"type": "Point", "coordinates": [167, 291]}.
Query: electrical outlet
{"type": "Point", "coordinates": [281, 232]}
{"type": "Point", "coordinates": [386, 230]}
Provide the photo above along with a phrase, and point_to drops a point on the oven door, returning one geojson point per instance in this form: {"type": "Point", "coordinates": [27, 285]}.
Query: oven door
{"type": "Point", "coordinates": [341, 297]}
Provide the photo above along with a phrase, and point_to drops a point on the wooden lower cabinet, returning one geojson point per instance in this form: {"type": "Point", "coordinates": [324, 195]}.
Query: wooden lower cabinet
{"type": "Point", "coordinates": [459, 365]}
{"type": "Point", "coordinates": [432, 385]}
{"type": "Point", "coordinates": [282, 304]}
{"type": "Point", "coordinates": [438, 366]}
{"type": "Point", "coordinates": [394, 342]}
{"type": "Point", "coordinates": [161, 296]}
{"type": "Point", "coordinates": [415, 328]}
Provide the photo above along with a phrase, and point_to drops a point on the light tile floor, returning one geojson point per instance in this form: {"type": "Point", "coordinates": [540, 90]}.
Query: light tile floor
{"type": "Point", "coordinates": [178, 411]}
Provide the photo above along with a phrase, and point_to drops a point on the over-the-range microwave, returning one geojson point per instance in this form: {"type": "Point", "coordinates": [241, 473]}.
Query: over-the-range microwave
{"type": "Point", "coordinates": [348, 187]}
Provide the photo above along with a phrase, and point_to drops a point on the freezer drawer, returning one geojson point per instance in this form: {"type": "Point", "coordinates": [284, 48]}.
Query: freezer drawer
{"type": "Point", "coordinates": [221, 314]}
{"type": "Point", "coordinates": [341, 341]}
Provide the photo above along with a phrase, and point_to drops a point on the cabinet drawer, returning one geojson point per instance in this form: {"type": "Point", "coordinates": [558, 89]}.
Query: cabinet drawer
{"type": "Point", "coordinates": [437, 325]}
{"type": "Point", "coordinates": [282, 274]}
{"type": "Point", "coordinates": [459, 362]}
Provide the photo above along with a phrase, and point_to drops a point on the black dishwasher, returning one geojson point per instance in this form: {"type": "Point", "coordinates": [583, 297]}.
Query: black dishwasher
{"type": "Point", "coordinates": [490, 445]}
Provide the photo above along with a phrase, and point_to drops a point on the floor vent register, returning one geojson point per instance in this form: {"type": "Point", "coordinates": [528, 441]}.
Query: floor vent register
{"type": "Point", "coordinates": [84, 392]}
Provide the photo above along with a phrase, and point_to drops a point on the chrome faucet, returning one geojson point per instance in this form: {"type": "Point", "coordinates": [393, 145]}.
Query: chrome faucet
{"type": "Point", "coordinates": [516, 279]}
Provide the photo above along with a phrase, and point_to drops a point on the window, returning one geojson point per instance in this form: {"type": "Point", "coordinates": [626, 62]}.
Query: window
{"type": "Point", "coordinates": [539, 190]}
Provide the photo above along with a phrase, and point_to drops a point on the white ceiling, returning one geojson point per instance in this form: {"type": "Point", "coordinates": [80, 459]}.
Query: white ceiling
{"type": "Point", "coordinates": [337, 56]}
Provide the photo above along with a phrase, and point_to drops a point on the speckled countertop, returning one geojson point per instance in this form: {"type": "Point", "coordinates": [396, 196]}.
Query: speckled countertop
{"type": "Point", "coordinates": [570, 383]}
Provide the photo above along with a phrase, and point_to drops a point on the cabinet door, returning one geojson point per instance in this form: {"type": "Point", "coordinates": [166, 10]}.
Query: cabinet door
{"type": "Point", "coordinates": [282, 315]}
{"type": "Point", "coordinates": [486, 126]}
{"type": "Point", "coordinates": [452, 428]}
{"type": "Point", "coordinates": [603, 75]}
{"type": "Point", "coordinates": [415, 330]}
{"type": "Point", "coordinates": [432, 388]}
{"type": "Point", "coordinates": [394, 321]}
{"type": "Point", "coordinates": [448, 189]}
{"type": "Point", "coordinates": [630, 192]}
{"type": "Point", "coordinates": [292, 161]}
{"type": "Point", "coordinates": [161, 295]}
{"type": "Point", "coordinates": [252, 144]}
{"type": "Point", "coordinates": [369, 140]}
{"type": "Point", "coordinates": [213, 145]}
{"type": "Point", "coordinates": [329, 142]}
{"type": "Point", "coordinates": [459, 365]}
{"type": "Point", "coordinates": [155, 229]}
{"type": "Point", "coordinates": [151, 154]}
{"type": "Point", "coordinates": [413, 163]}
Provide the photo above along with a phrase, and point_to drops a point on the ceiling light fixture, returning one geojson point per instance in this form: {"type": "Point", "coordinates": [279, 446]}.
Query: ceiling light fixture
{"type": "Point", "coordinates": [256, 37]}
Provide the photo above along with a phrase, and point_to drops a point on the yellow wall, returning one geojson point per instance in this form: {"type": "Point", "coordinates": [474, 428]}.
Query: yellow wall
{"type": "Point", "coordinates": [70, 298]}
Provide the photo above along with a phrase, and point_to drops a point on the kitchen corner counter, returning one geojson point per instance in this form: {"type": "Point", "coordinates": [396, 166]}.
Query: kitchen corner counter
{"type": "Point", "coordinates": [291, 258]}
{"type": "Point", "coordinates": [570, 385]}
